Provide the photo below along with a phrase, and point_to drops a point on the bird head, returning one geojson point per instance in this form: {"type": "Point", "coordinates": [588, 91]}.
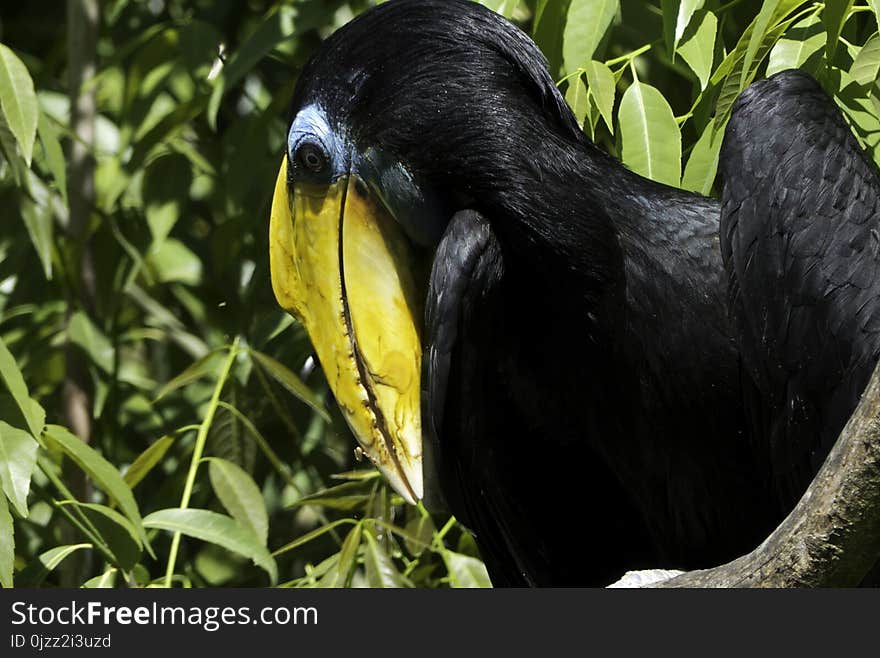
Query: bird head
{"type": "Point", "coordinates": [412, 111]}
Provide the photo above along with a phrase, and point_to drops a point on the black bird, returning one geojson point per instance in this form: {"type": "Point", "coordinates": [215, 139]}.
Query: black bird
{"type": "Point", "coordinates": [615, 374]}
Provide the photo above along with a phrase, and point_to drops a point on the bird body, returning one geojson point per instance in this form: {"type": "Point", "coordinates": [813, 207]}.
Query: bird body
{"type": "Point", "coordinates": [616, 374]}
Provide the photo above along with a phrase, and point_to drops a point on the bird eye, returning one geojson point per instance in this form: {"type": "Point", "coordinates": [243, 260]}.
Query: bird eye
{"type": "Point", "coordinates": [311, 157]}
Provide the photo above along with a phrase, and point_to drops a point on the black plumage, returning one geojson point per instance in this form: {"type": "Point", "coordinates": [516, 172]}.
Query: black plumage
{"type": "Point", "coordinates": [606, 384]}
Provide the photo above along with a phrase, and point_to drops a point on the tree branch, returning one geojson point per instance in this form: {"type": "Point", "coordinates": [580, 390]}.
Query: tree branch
{"type": "Point", "coordinates": [832, 537]}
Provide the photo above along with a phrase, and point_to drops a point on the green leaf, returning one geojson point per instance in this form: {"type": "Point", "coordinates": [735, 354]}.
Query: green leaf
{"type": "Point", "coordinates": [105, 581]}
{"type": "Point", "coordinates": [465, 571]}
{"type": "Point", "coordinates": [83, 332]}
{"type": "Point", "coordinates": [18, 101]}
{"type": "Point", "coordinates": [40, 228]}
{"type": "Point", "coordinates": [698, 51]}
{"type": "Point", "coordinates": [686, 10]}
{"type": "Point", "coordinates": [115, 531]}
{"type": "Point", "coordinates": [577, 99]}
{"type": "Point", "coordinates": [760, 27]}
{"type": "Point", "coordinates": [210, 363]}
{"type": "Point", "coordinates": [801, 42]}
{"type": "Point", "coordinates": [314, 534]}
{"type": "Point", "coordinates": [11, 376]}
{"type": "Point", "coordinates": [145, 461]}
{"type": "Point", "coordinates": [702, 165]}
{"type": "Point", "coordinates": [53, 153]}
{"type": "Point", "coordinates": [278, 26]}
{"type": "Point", "coordinates": [341, 576]}
{"type": "Point", "coordinates": [866, 67]}
{"type": "Point", "coordinates": [547, 28]}
{"type": "Point", "coordinates": [585, 25]}
{"type": "Point", "coordinates": [875, 5]}
{"type": "Point", "coordinates": [602, 89]}
{"type": "Point", "coordinates": [240, 496]}
{"type": "Point", "coordinates": [651, 140]}
{"type": "Point", "coordinates": [379, 567]}
{"type": "Point", "coordinates": [103, 473]}
{"type": "Point", "coordinates": [502, 7]}
{"type": "Point", "coordinates": [833, 17]}
{"type": "Point", "coordinates": [18, 456]}
{"type": "Point", "coordinates": [37, 570]}
{"type": "Point", "coordinates": [7, 544]}
{"type": "Point", "coordinates": [170, 260]}
{"type": "Point", "coordinates": [284, 376]}
{"type": "Point", "coordinates": [345, 497]}
{"type": "Point", "coordinates": [218, 529]}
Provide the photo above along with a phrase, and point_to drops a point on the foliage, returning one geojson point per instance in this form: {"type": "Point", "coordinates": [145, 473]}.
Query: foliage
{"type": "Point", "coordinates": [215, 457]}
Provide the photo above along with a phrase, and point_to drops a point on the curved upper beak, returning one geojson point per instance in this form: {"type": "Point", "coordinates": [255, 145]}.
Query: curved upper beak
{"type": "Point", "coordinates": [344, 268]}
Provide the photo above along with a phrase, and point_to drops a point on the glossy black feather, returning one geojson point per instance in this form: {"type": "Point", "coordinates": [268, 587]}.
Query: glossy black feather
{"type": "Point", "coordinates": [799, 221]}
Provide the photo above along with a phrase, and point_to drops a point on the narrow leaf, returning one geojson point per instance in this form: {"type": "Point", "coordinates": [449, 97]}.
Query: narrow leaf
{"type": "Point", "coordinates": [36, 572]}
{"type": "Point", "coordinates": [115, 531]}
{"type": "Point", "coordinates": [145, 461]}
{"type": "Point", "coordinates": [7, 545]}
{"type": "Point", "coordinates": [240, 496]}
{"type": "Point", "coordinates": [759, 27]}
{"type": "Point", "coordinates": [651, 140]}
{"type": "Point", "coordinates": [218, 529]}
{"type": "Point", "coordinates": [602, 89]}
{"type": "Point", "coordinates": [576, 97]}
{"type": "Point", "coordinates": [686, 11]}
{"type": "Point", "coordinates": [102, 472]}
{"type": "Point", "coordinates": [698, 51]}
{"type": "Point", "coordinates": [83, 332]}
{"type": "Point", "coordinates": [18, 101]}
{"type": "Point", "coordinates": [379, 566]}
{"type": "Point", "coordinates": [18, 456]}
{"type": "Point", "coordinates": [341, 576]}
{"type": "Point", "coordinates": [702, 165]}
{"type": "Point", "coordinates": [54, 155]}
{"type": "Point", "coordinates": [40, 228]}
{"type": "Point", "coordinates": [11, 376]}
{"type": "Point", "coordinates": [284, 376]}
{"type": "Point", "coordinates": [208, 364]}
{"type": "Point", "coordinates": [105, 581]}
{"type": "Point", "coordinates": [833, 17]}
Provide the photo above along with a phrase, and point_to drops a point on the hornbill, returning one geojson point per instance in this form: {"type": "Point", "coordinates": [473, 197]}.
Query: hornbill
{"type": "Point", "coordinates": [609, 373]}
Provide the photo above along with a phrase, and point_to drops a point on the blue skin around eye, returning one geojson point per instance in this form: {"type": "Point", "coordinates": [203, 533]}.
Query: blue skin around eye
{"type": "Point", "coordinates": [415, 207]}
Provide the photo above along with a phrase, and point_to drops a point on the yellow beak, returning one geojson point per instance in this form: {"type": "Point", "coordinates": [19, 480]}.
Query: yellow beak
{"type": "Point", "coordinates": [343, 267]}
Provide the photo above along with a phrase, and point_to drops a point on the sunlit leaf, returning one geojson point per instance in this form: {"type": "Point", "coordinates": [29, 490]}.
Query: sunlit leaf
{"type": "Point", "coordinates": [699, 49]}
{"type": "Point", "coordinates": [866, 67]}
{"type": "Point", "coordinates": [36, 572]}
{"type": "Point", "coordinates": [651, 140]}
{"type": "Point", "coordinates": [55, 160]}
{"type": "Point", "coordinates": [240, 496]}
{"type": "Point", "coordinates": [686, 10]}
{"type": "Point", "coordinates": [106, 580]}
{"type": "Point", "coordinates": [602, 89]}
{"type": "Point", "coordinates": [215, 528]}
{"type": "Point", "coordinates": [40, 228]}
{"type": "Point", "coordinates": [18, 456]}
{"type": "Point", "coordinates": [576, 97]}
{"type": "Point", "coordinates": [208, 364]}
{"type": "Point", "coordinates": [807, 38]}
{"type": "Point", "coordinates": [18, 101]}
{"type": "Point", "coordinates": [702, 165]}
{"type": "Point", "coordinates": [585, 25]}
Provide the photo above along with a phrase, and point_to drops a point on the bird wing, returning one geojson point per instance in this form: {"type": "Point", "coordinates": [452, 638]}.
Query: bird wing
{"type": "Point", "coordinates": [458, 391]}
{"type": "Point", "coordinates": [800, 244]}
